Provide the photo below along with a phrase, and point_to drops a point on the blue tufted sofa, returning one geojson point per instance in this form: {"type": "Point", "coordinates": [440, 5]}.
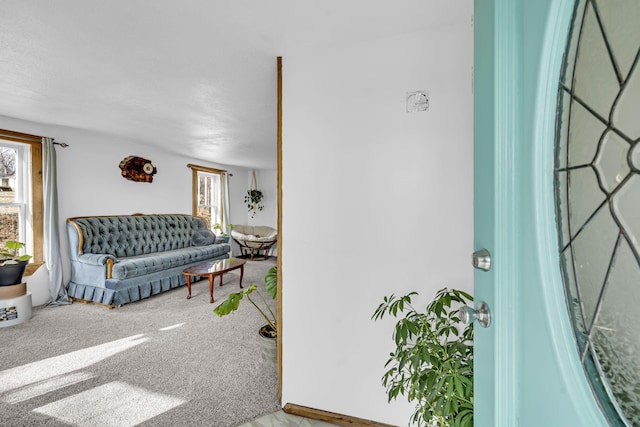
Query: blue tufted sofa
{"type": "Point", "coordinates": [120, 259]}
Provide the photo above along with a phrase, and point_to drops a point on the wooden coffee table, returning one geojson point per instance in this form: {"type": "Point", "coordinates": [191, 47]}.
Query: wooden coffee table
{"type": "Point", "coordinates": [211, 269]}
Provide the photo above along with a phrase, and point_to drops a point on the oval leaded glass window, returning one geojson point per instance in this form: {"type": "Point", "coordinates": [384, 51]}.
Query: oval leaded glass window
{"type": "Point", "coordinates": [597, 179]}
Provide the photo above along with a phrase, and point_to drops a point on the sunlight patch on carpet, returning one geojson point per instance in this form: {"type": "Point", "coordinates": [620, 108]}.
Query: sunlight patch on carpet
{"type": "Point", "coordinates": [167, 328]}
{"type": "Point", "coordinates": [46, 386]}
{"type": "Point", "coordinates": [110, 405]}
{"type": "Point", "coordinates": [30, 373]}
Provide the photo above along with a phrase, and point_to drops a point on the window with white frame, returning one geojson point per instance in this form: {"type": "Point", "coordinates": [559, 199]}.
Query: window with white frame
{"type": "Point", "coordinates": [209, 197]}
{"type": "Point", "coordinates": [21, 196]}
{"type": "Point", "coordinates": [208, 200]}
{"type": "Point", "coordinates": [15, 194]}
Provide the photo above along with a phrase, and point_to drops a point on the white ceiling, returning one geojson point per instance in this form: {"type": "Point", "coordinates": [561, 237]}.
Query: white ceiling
{"type": "Point", "coordinates": [195, 77]}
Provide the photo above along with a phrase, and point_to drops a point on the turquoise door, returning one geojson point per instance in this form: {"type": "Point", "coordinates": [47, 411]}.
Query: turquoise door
{"type": "Point", "coordinates": [527, 368]}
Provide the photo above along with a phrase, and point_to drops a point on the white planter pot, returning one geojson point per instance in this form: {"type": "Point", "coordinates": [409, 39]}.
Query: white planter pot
{"type": "Point", "coordinates": [268, 344]}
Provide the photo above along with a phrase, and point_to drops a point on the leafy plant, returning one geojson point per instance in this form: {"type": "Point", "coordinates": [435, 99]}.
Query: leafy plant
{"type": "Point", "coordinates": [232, 302]}
{"type": "Point", "coordinates": [218, 228]}
{"type": "Point", "coordinates": [9, 254]}
{"type": "Point", "coordinates": [432, 364]}
{"type": "Point", "coordinates": [253, 199]}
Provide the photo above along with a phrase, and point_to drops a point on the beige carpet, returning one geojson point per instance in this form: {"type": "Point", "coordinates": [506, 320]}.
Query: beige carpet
{"type": "Point", "coordinates": [163, 361]}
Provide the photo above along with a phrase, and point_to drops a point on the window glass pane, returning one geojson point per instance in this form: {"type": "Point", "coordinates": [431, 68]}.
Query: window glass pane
{"type": "Point", "coordinates": [209, 198]}
{"type": "Point", "coordinates": [616, 23]}
{"type": "Point", "coordinates": [595, 78]}
{"type": "Point", "coordinates": [592, 261]}
{"type": "Point", "coordinates": [584, 131]}
{"type": "Point", "coordinates": [9, 190]}
{"type": "Point", "coordinates": [585, 197]}
{"type": "Point", "coordinates": [8, 223]}
{"type": "Point", "coordinates": [597, 178]}
{"type": "Point", "coordinates": [611, 161]}
{"type": "Point", "coordinates": [616, 333]}
{"type": "Point", "coordinates": [8, 181]}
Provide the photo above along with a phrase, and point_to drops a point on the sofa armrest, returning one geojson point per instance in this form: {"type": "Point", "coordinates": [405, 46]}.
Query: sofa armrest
{"type": "Point", "coordinates": [99, 259]}
{"type": "Point", "coordinates": [95, 259]}
{"type": "Point", "coordinates": [92, 269]}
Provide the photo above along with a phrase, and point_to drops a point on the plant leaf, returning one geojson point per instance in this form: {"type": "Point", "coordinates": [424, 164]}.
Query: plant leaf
{"type": "Point", "coordinates": [271, 282]}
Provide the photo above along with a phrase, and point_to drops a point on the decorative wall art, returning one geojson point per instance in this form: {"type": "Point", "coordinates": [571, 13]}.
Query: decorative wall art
{"type": "Point", "coordinates": [137, 169]}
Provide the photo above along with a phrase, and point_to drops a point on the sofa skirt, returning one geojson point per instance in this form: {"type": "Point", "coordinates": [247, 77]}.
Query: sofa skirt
{"type": "Point", "coordinates": [120, 292]}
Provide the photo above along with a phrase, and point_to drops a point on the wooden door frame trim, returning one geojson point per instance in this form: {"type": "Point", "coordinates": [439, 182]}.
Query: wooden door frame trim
{"type": "Point", "coordinates": [279, 260]}
{"type": "Point", "coordinates": [330, 417]}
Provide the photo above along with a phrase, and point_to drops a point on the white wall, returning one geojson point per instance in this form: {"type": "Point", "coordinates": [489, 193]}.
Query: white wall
{"type": "Point", "coordinates": [375, 201]}
{"type": "Point", "coordinates": [268, 183]}
{"type": "Point", "coordinates": [90, 183]}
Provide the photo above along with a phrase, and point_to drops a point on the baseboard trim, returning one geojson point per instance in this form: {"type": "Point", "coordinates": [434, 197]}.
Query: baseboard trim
{"type": "Point", "coordinates": [330, 417]}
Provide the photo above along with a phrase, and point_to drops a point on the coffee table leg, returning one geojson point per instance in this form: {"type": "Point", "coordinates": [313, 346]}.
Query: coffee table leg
{"type": "Point", "coordinates": [241, 274]}
{"type": "Point", "coordinates": [221, 279]}
{"type": "Point", "coordinates": [188, 287]}
{"type": "Point", "coordinates": [210, 288]}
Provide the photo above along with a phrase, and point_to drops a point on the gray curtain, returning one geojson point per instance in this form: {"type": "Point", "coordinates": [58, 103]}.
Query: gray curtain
{"type": "Point", "coordinates": [224, 178]}
{"type": "Point", "coordinates": [52, 258]}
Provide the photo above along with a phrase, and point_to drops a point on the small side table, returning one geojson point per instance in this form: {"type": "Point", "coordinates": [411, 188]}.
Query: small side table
{"type": "Point", "coordinates": [14, 311]}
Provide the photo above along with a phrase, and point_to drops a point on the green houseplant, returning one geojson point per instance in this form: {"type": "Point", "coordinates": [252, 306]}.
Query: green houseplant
{"type": "Point", "coordinates": [253, 199]}
{"type": "Point", "coordinates": [432, 364]}
{"type": "Point", "coordinates": [223, 235]}
{"type": "Point", "coordinates": [269, 331]}
{"type": "Point", "coordinates": [12, 264]}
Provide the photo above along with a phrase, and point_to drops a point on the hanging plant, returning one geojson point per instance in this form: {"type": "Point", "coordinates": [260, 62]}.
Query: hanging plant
{"type": "Point", "coordinates": [253, 199]}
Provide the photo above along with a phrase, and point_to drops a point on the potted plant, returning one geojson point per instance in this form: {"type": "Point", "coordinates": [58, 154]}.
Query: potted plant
{"type": "Point", "coordinates": [268, 333]}
{"type": "Point", "coordinates": [224, 236]}
{"type": "Point", "coordinates": [12, 264]}
{"type": "Point", "coordinates": [432, 363]}
{"type": "Point", "coordinates": [253, 199]}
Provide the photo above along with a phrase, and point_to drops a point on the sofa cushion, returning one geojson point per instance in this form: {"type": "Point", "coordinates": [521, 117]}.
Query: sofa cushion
{"type": "Point", "coordinates": [125, 268]}
{"type": "Point", "coordinates": [203, 238]}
